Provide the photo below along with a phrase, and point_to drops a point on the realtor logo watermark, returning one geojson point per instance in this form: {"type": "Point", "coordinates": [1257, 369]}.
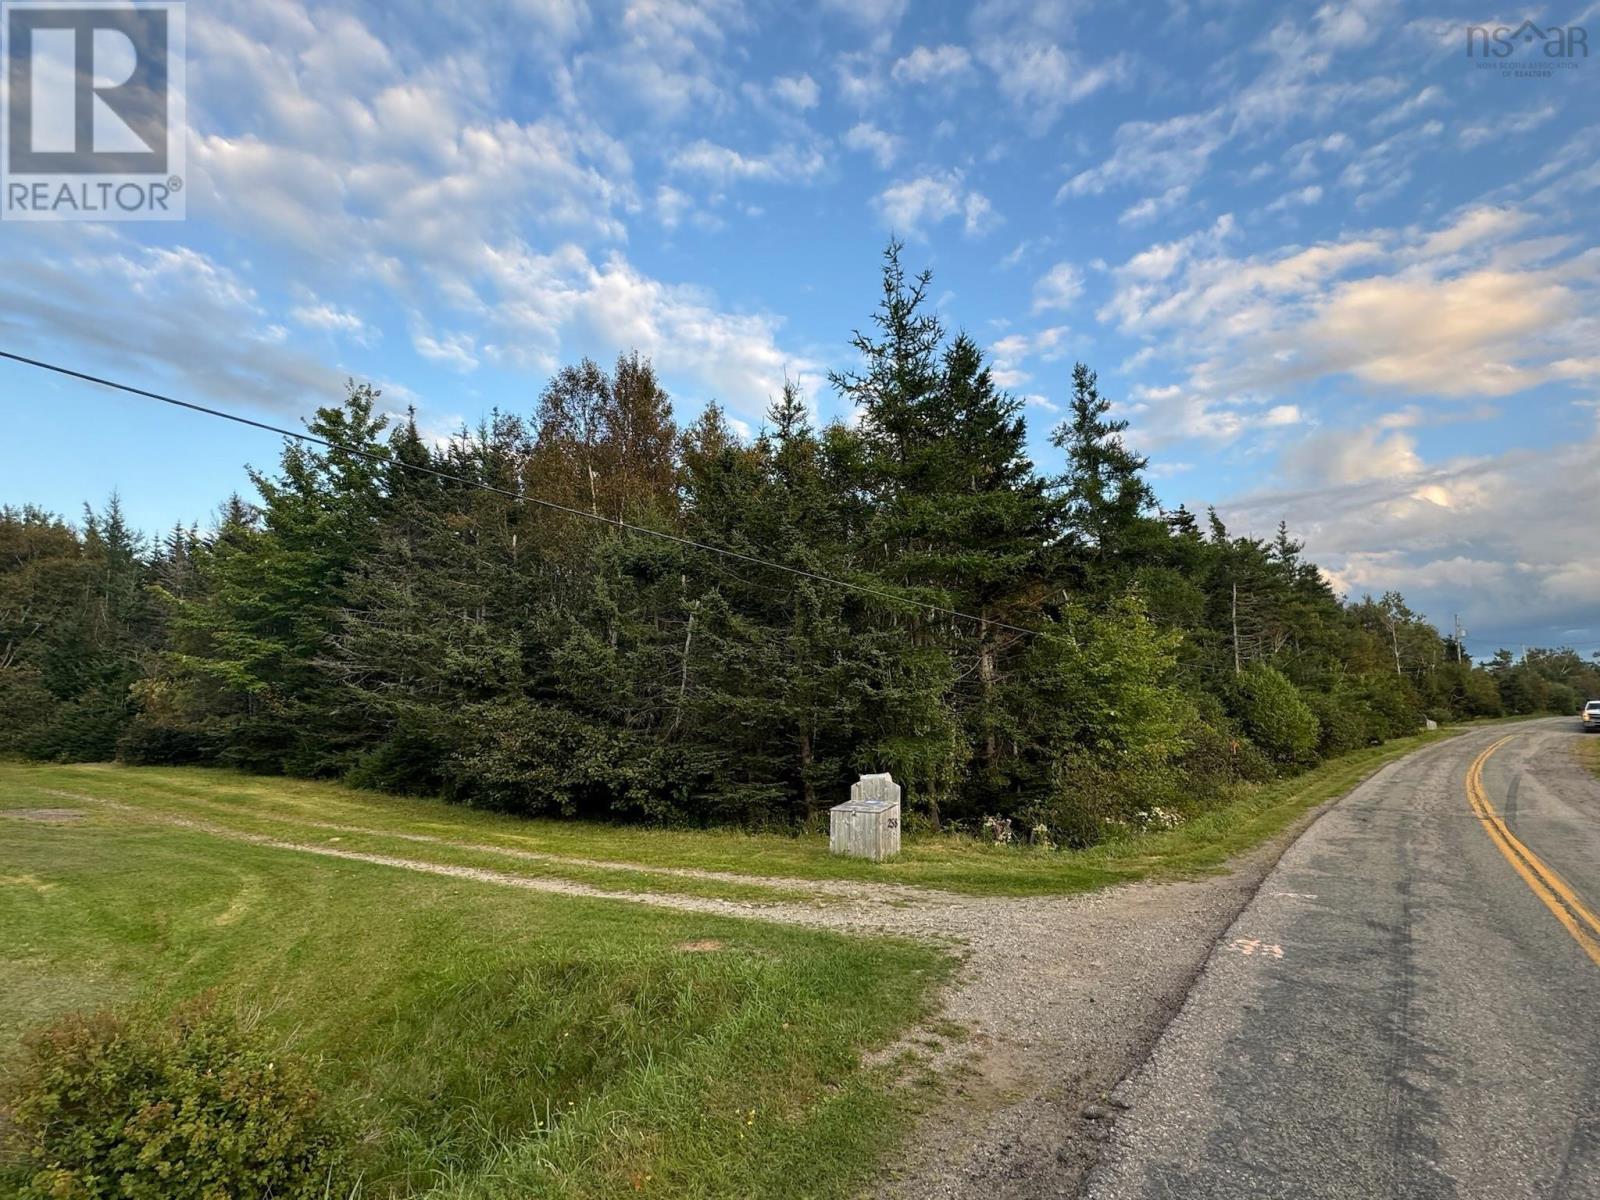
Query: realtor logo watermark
{"type": "Point", "coordinates": [1527, 51]}
{"type": "Point", "coordinates": [93, 126]}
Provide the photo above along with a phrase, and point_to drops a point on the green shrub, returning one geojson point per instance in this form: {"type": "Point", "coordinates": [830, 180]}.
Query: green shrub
{"type": "Point", "coordinates": [1563, 699]}
{"type": "Point", "coordinates": [1092, 803]}
{"type": "Point", "coordinates": [26, 709]}
{"type": "Point", "coordinates": [1343, 721]}
{"type": "Point", "coordinates": [1217, 759]}
{"type": "Point", "coordinates": [1479, 697]}
{"type": "Point", "coordinates": [1394, 706]}
{"type": "Point", "coordinates": [1275, 716]}
{"type": "Point", "coordinates": [146, 1108]}
{"type": "Point", "coordinates": [536, 759]}
{"type": "Point", "coordinates": [148, 742]}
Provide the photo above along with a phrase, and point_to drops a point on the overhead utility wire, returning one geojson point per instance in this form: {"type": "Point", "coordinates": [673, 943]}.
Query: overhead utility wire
{"type": "Point", "coordinates": [517, 496]}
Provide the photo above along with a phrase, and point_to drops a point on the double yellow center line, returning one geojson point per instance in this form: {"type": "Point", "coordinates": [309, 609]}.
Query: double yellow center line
{"type": "Point", "coordinates": [1578, 919]}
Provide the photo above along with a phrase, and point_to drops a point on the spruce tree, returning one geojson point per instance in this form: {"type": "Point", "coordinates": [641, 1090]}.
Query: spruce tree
{"type": "Point", "coordinates": [1103, 489]}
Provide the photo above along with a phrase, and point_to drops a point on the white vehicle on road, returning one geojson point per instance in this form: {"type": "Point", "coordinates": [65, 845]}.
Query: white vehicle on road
{"type": "Point", "coordinates": [1591, 717]}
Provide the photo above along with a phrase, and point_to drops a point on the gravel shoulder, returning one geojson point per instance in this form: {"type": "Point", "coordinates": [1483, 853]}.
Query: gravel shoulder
{"type": "Point", "coordinates": [1064, 999]}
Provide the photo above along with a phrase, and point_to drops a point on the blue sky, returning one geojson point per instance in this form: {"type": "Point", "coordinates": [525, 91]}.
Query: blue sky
{"type": "Point", "coordinates": [1331, 270]}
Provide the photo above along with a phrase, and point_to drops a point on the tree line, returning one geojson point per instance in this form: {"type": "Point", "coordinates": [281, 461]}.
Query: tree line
{"type": "Point", "coordinates": [458, 630]}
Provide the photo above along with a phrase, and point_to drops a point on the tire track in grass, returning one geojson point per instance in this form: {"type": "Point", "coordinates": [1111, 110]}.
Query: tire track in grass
{"type": "Point", "coordinates": [844, 889]}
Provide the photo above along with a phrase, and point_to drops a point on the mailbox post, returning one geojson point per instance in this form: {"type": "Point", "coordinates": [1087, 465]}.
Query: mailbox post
{"type": "Point", "coordinates": [868, 824]}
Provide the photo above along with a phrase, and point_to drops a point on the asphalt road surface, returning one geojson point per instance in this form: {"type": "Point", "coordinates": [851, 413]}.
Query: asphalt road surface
{"type": "Point", "coordinates": [1409, 1008]}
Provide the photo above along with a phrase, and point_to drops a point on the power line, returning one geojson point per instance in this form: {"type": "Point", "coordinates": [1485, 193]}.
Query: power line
{"type": "Point", "coordinates": [516, 496]}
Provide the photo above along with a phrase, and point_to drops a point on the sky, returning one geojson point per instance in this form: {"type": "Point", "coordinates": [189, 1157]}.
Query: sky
{"type": "Point", "coordinates": [1330, 268]}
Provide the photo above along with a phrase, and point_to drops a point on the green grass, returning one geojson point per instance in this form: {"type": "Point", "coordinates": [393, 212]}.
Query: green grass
{"type": "Point", "coordinates": [499, 1042]}
{"type": "Point", "coordinates": [960, 864]}
{"type": "Point", "coordinates": [490, 1041]}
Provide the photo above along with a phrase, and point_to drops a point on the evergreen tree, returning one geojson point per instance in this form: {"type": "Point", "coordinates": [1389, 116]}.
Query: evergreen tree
{"type": "Point", "coordinates": [243, 672]}
{"type": "Point", "coordinates": [1103, 490]}
{"type": "Point", "coordinates": [481, 616]}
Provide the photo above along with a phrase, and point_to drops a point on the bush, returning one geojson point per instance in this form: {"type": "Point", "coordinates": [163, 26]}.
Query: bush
{"type": "Point", "coordinates": [1218, 757]}
{"type": "Point", "coordinates": [1563, 699]}
{"type": "Point", "coordinates": [1479, 697]}
{"type": "Point", "coordinates": [536, 759]}
{"type": "Point", "coordinates": [143, 1108]}
{"type": "Point", "coordinates": [1275, 716]}
{"type": "Point", "coordinates": [86, 728]}
{"type": "Point", "coordinates": [26, 708]}
{"type": "Point", "coordinates": [1395, 709]}
{"type": "Point", "coordinates": [147, 742]}
{"type": "Point", "coordinates": [1343, 721]}
{"type": "Point", "coordinates": [1092, 803]}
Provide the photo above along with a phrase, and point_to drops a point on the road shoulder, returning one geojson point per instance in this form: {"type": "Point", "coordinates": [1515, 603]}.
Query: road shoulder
{"type": "Point", "coordinates": [1083, 1005]}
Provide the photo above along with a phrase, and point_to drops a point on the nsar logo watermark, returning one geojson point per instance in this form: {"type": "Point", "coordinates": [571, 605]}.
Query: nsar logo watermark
{"type": "Point", "coordinates": [93, 126]}
{"type": "Point", "coordinates": [1527, 51]}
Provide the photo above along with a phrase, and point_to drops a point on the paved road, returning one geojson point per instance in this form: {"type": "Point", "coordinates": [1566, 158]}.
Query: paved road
{"type": "Point", "coordinates": [1401, 1011]}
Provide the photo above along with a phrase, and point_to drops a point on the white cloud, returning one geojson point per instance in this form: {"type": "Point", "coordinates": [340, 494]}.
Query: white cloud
{"type": "Point", "coordinates": [1299, 198]}
{"type": "Point", "coordinates": [860, 78]}
{"type": "Point", "coordinates": [872, 15]}
{"type": "Point", "coordinates": [1058, 287]}
{"type": "Point", "coordinates": [1041, 79]}
{"type": "Point", "coordinates": [723, 165]}
{"type": "Point", "coordinates": [1351, 22]}
{"type": "Point", "coordinates": [1404, 418]}
{"type": "Point", "coordinates": [930, 64]}
{"type": "Point", "coordinates": [1512, 125]}
{"type": "Point", "coordinates": [1163, 154]}
{"type": "Point", "coordinates": [867, 138]}
{"type": "Point", "coordinates": [1482, 333]}
{"type": "Point", "coordinates": [1428, 97]}
{"type": "Point", "coordinates": [458, 351]}
{"type": "Point", "coordinates": [179, 316]}
{"type": "Point", "coordinates": [1464, 311]}
{"type": "Point", "coordinates": [1152, 207]}
{"type": "Point", "coordinates": [1296, 82]}
{"type": "Point", "coordinates": [663, 54]}
{"type": "Point", "coordinates": [797, 91]}
{"type": "Point", "coordinates": [1171, 413]}
{"type": "Point", "coordinates": [539, 301]}
{"type": "Point", "coordinates": [1006, 361]}
{"type": "Point", "coordinates": [1336, 457]}
{"type": "Point", "coordinates": [1499, 538]}
{"type": "Point", "coordinates": [328, 318]}
{"type": "Point", "coordinates": [914, 204]}
{"type": "Point", "coordinates": [560, 21]}
{"type": "Point", "coordinates": [1304, 159]}
{"type": "Point", "coordinates": [1382, 169]}
{"type": "Point", "coordinates": [1008, 355]}
{"type": "Point", "coordinates": [672, 205]}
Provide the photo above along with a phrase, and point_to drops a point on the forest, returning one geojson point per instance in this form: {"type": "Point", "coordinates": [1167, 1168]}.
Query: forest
{"type": "Point", "coordinates": [576, 613]}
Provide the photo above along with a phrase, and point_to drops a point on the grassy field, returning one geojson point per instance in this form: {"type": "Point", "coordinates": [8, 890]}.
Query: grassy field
{"type": "Point", "coordinates": [499, 1042]}
{"type": "Point", "coordinates": [629, 858]}
{"type": "Point", "coordinates": [490, 1041]}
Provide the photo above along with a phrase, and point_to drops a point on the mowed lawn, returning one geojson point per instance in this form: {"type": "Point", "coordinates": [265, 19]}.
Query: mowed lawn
{"type": "Point", "coordinates": [633, 858]}
{"type": "Point", "coordinates": [493, 1041]}
{"type": "Point", "coordinates": [489, 1041]}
